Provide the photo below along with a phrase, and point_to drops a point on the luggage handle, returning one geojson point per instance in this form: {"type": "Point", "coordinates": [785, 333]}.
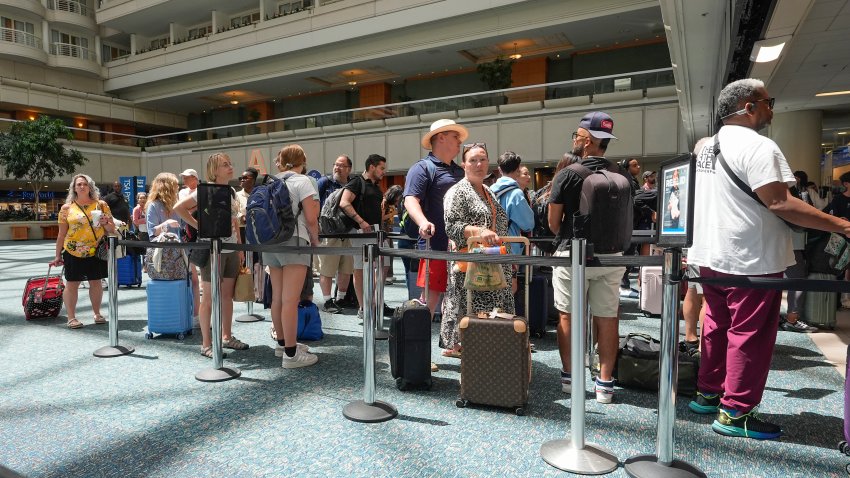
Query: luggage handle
{"type": "Point", "coordinates": [476, 240]}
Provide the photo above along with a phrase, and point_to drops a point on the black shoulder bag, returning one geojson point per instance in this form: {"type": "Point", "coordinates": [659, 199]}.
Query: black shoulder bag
{"type": "Point", "coordinates": [743, 187]}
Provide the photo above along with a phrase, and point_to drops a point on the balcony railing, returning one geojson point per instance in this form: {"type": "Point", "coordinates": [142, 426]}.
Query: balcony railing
{"type": "Point", "coordinates": [625, 89]}
{"type": "Point", "coordinates": [76, 51]}
{"type": "Point", "coordinates": [20, 37]}
{"type": "Point", "coordinates": [70, 6]}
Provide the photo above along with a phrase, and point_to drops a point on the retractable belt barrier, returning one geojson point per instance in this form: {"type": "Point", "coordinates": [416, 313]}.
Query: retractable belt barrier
{"type": "Point", "coordinates": [572, 455]}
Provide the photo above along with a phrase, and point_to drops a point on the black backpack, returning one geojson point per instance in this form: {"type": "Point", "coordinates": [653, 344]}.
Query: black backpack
{"type": "Point", "coordinates": [605, 210]}
{"type": "Point", "coordinates": [540, 206]}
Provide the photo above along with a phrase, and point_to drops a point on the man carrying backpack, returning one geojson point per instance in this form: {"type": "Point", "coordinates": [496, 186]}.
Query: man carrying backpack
{"type": "Point", "coordinates": [330, 266]}
{"type": "Point", "coordinates": [606, 224]}
{"type": "Point", "coordinates": [361, 202]}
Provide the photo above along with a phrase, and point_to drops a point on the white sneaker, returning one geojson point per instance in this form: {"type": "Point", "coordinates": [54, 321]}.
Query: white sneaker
{"type": "Point", "coordinates": [278, 349]}
{"type": "Point", "coordinates": [301, 359]}
{"type": "Point", "coordinates": [566, 383]}
{"type": "Point", "coordinates": [604, 391]}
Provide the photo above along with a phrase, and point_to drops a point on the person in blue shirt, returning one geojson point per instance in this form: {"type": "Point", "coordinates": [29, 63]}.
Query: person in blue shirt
{"type": "Point", "coordinates": [330, 266]}
{"type": "Point", "coordinates": [424, 188]}
{"type": "Point", "coordinates": [512, 198]}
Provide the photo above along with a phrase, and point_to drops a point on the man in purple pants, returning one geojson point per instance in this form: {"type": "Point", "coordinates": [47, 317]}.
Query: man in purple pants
{"type": "Point", "coordinates": [736, 236]}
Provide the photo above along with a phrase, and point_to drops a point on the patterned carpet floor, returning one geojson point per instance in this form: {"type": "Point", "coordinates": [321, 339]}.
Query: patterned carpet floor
{"type": "Point", "coordinates": [66, 413]}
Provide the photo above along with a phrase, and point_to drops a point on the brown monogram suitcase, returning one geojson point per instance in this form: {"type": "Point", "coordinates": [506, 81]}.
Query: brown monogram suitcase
{"type": "Point", "coordinates": [495, 367]}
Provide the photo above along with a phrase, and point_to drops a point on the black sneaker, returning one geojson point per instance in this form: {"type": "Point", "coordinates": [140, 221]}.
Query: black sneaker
{"type": "Point", "coordinates": [705, 403]}
{"type": "Point", "coordinates": [732, 423]}
{"type": "Point", "coordinates": [798, 326]}
{"type": "Point", "coordinates": [691, 349]}
{"type": "Point", "coordinates": [388, 311]}
{"type": "Point", "coordinates": [331, 306]}
{"type": "Point", "coordinates": [348, 304]}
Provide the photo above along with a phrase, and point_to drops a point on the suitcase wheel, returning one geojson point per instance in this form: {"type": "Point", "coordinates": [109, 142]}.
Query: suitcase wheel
{"type": "Point", "coordinates": [400, 384]}
{"type": "Point", "coordinates": [148, 335]}
{"type": "Point", "coordinates": [181, 336]}
{"type": "Point", "coordinates": [461, 403]}
{"type": "Point", "coordinates": [520, 411]}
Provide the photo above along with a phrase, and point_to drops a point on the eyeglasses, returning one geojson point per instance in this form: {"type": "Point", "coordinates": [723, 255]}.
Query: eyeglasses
{"type": "Point", "coordinates": [770, 101]}
{"type": "Point", "coordinates": [576, 135]}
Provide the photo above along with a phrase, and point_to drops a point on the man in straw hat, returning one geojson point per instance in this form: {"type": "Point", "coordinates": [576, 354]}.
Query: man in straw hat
{"type": "Point", "coordinates": [426, 184]}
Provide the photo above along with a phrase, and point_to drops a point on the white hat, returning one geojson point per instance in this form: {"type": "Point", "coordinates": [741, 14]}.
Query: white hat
{"type": "Point", "coordinates": [441, 126]}
{"type": "Point", "coordinates": [189, 172]}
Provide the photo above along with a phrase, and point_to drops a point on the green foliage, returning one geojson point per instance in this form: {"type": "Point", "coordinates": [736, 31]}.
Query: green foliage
{"type": "Point", "coordinates": [496, 74]}
{"type": "Point", "coordinates": [30, 151]}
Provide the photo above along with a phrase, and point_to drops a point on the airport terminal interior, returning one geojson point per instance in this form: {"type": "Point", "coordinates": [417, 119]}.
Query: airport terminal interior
{"type": "Point", "coordinates": [149, 86]}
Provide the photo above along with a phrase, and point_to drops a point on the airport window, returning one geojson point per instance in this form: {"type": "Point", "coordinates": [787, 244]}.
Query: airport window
{"type": "Point", "coordinates": [66, 44]}
{"type": "Point", "coordinates": [18, 32]}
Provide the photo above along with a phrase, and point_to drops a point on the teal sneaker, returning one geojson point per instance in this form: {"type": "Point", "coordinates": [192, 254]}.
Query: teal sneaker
{"type": "Point", "coordinates": [732, 423]}
{"type": "Point", "coordinates": [705, 403]}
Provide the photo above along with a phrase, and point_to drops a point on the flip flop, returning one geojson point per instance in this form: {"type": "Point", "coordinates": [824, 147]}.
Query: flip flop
{"type": "Point", "coordinates": [451, 353]}
{"type": "Point", "coordinates": [99, 319]}
{"type": "Point", "coordinates": [73, 323]}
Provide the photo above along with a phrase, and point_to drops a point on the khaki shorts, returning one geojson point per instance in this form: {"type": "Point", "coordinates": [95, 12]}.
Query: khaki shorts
{"type": "Point", "coordinates": [229, 266]}
{"type": "Point", "coordinates": [330, 265]}
{"type": "Point", "coordinates": [601, 284]}
{"type": "Point", "coordinates": [357, 259]}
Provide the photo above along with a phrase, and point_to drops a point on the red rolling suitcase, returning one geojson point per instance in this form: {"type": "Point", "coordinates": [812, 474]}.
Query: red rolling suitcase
{"type": "Point", "coordinates": [43, 296]}
{"type": "Point", "coordinates": [495, 365]}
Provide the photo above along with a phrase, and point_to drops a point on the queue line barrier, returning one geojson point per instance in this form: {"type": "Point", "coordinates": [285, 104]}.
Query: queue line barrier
{"type": "Point", "coordinates": [571, 455]}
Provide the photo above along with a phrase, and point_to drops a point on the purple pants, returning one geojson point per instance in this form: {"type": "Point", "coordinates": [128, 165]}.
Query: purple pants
{"type": "Point", "coordinates": [737, 341]}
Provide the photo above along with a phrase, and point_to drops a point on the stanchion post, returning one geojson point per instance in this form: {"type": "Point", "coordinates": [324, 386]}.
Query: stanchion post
{"type": "Point", "coordinates": [250, 316]}
{"type": "Point", "coordinates": [218, 372]}
{"type": "Point", "coordinates": [113, 349]}
{"type": "Point", "coordinates": [369, 410]}
{"type": "Point", "coordinates": [575, 455]}
{"type": "Point", "coordinates": [381, 328]}
{"type": "Point", "coordinates": [663, 463]}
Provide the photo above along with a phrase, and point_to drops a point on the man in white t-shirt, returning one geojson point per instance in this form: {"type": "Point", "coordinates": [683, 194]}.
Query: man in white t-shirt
{"type": "Point", "coordinates": [735, 236]}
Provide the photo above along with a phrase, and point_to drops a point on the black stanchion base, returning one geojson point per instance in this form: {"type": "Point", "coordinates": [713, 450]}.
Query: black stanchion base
{"type": "Point", "coordinates": [250, 318]}
{"type": "Point", "coordinates": [117, 351]}
{"type": "Point", "coordinates": [590, 460]}
{"type": "Point", "coordinates": [360, 411]}
{"type": "Point", "coordinates": [217, 374]}
{"type": "Point", "coordinates": [382, 335]}
{"type": "Point", "coordinates": [647, 466]}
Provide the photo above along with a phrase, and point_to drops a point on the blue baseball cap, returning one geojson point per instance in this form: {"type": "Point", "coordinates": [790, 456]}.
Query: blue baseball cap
{"type": "Point", "coordinates": [598, 124]}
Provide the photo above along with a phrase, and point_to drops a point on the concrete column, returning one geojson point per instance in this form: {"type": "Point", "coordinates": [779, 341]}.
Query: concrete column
{"type": "Point", "coordinates": [798, 134]}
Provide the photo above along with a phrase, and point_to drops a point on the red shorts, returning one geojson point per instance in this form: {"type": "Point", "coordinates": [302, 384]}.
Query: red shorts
{"type": "Point", "coordinates": [438, 275]}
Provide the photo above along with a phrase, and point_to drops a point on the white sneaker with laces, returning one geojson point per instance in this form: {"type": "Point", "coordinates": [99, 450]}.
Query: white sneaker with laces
{"type": "Point", "coordinates": [604, 391]}
{"type": "Point", "coordinates": [279, 352]}
{"type": "Point", "coordinates": [302, 358]}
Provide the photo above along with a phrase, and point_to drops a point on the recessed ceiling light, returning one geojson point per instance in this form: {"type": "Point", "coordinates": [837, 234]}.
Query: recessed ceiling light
{"type": "Point", "coordinates": [765, 51]}
{"type": "Point", "coordinates": [834, 93]}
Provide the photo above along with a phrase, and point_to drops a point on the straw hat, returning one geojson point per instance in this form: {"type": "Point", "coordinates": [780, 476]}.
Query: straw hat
{"type": "Point", "coordinates": [441, 126]}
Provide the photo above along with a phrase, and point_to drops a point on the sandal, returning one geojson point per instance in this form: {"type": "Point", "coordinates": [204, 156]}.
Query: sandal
{"type": "Point", "coordinates": [99, 319]}
{"type": "Point", "coordinates": [208, 353]}
{"type": "Point", "coordinates": [73, 323]}
{"type": "Point", "coordinates": [452, 353]}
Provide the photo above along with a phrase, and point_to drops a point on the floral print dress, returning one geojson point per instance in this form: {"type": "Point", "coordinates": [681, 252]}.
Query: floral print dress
{"type": "Point", "coordinates": [464, 207]}
{"type": "Point", "coordinates": [80, 240]}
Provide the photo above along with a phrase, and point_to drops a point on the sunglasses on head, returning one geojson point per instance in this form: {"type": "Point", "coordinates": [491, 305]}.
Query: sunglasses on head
{"type": "Point", "coordinates": [469, 146]}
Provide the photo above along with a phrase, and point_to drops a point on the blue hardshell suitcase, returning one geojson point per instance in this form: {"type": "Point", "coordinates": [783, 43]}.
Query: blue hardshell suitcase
{"type": "Point", "coordinates": [169, 308]}
{"type": "Point", "coordinates": [129, 270]}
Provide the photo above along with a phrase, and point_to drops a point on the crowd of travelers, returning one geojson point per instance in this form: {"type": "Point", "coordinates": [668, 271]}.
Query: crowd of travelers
{"type": "Point", "coordinates": [446, 201]}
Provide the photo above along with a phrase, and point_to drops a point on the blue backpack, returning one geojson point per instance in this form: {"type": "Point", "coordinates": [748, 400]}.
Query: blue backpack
{"type": "Point", "coordinates": [268, 214]}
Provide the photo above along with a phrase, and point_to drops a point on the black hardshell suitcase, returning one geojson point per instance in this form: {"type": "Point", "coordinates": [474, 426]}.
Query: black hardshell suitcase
{"type": "Point", "coordinates": [538, 298]}
{"type": "Point", "coordinates": [495, 365]}
{"type": "Point", "coordinates": [410, 344]}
